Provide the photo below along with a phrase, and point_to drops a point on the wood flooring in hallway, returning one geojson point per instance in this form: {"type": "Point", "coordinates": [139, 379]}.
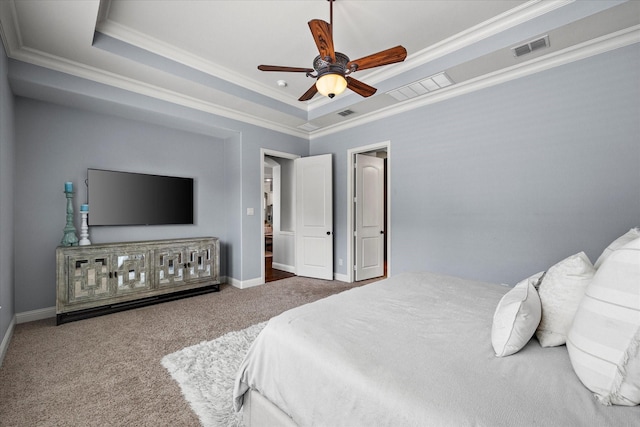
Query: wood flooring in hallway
{"type": "Point", "coordinates": [270, 273]}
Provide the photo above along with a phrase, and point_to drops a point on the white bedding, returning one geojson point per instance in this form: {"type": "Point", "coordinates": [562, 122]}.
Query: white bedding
{"type": "Point", "coordinates": [414, 349]}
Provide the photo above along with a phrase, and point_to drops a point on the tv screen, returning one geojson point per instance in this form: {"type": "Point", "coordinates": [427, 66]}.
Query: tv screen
{"type": "Point", "coordinates": [125, 198]}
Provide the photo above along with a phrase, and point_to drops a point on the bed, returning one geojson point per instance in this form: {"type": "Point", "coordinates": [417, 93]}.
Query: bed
{"type": "Point", "coordinates": [411, 350]}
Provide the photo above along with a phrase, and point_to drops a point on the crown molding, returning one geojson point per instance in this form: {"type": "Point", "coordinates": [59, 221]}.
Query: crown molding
{"type": "Point", "coordinates": [584, 50]}
{"type": "Point", "coordinates": [73, 68]}
{"type": "Point", "coordinates": [9, 28]}
{"type": "Point", "coordinates": [158, 47]}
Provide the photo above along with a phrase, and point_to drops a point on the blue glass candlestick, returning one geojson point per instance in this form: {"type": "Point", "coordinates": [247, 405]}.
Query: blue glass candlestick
{"type": "Point", "coordinates": [69, 238]}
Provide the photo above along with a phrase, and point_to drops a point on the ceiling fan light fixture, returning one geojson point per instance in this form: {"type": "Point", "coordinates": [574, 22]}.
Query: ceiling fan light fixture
{"type": "Point", "coordinates": [332, 68]}
{"type": "Point", "coordinates": [331, 84]}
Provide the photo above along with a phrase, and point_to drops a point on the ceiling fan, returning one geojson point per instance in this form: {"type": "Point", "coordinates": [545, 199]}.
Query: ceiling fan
{"type": "Point", "coordinates": [333, 68]}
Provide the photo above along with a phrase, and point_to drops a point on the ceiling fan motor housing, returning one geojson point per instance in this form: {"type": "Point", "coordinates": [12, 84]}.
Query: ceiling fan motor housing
{"type": "Point", "coordinates": [324, 67]}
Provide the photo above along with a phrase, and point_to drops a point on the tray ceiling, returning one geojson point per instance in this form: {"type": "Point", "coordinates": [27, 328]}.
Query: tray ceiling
{"type": "Point", "coordinates": [204, 54]}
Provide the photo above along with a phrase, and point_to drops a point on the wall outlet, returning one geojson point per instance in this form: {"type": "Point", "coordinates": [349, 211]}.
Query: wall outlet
{"type": "Point", "coordinates": [339, 261]}
{"type": "Point", "coordinates": [249, 211]}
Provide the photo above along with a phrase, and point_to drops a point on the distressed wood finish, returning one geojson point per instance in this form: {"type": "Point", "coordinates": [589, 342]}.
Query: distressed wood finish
{"type": "Point", "coordinates": [321, 32]}
{"type": "Point", "coordinates": [100, 279]}
{"type": "Point", "coordinates": [360, 88]}
{"type": "Point", "coordinates": [385, 57]}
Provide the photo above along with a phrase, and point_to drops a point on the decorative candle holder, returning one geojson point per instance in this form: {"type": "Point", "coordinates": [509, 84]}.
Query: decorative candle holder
{"type": "Point", "coordinates": [69, 238]}
{"type": "Point", "coordinates": [84, 228]}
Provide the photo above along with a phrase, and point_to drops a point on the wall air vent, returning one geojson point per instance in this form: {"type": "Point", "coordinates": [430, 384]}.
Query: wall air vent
{"type": "Point", "coordinates": [430, 84]}
{"type": "Point", "coordinates": [346, 113]}
{"type": "Point", "coordinates": [531, 46]}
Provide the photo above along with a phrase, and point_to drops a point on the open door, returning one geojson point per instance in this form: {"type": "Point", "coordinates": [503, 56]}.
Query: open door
{"type": "Point", "coordinates": [369, 217]}
{"type": "Point", "coordinates": [314, 217]}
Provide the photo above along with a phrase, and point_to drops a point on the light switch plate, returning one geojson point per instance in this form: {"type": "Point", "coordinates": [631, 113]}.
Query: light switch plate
{"type": "Point", "coordinates": [249, 211]}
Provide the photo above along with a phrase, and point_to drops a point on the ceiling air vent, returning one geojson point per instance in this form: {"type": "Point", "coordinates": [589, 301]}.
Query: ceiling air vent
{"type": "Point", "coordinates": [308, 127]}
{"type": "Point", "coordinates": [531, 46]}
{"type": "Point", "coordinates": [430, 84]}
{"type": "Point", "coordinates": [346, 113]}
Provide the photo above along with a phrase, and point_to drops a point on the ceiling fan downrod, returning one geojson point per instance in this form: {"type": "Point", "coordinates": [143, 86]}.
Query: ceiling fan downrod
{"type": "Point", "coordinates": [331, 17]}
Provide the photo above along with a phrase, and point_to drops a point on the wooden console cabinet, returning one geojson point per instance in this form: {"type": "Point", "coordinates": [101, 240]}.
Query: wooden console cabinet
{"type": "Point", "coordinates": [100, 279]}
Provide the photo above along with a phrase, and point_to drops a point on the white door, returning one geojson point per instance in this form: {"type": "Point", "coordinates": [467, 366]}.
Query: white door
{"type": "Point", "coordinates": [314, 217]}
{"type": "Point", "coordinates": [369, 217]}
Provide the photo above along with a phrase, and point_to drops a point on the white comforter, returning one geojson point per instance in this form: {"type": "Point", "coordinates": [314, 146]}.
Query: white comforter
{"type": "Point", "coordinates": [414, 350]}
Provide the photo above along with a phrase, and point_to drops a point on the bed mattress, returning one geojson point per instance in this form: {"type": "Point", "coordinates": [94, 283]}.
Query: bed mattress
{"type": "Point", "coordinates": [414, 349]}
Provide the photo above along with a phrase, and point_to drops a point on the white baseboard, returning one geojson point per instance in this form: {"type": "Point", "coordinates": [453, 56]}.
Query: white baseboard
{"type": "Point", "coordinates": [284, 267]}
{"type": "Point", "coordinates": [233, 282]}
{"type": "Point", "coordinates": [30, 316]}
{"type": "Point", "coordinates": [46, 313]}
{"type": "Point", "coordinates": [341, 277]}
{"type": "Point", "coordinates": [244, 284]}
{"type": "Point", "coordinates": [4, 346]}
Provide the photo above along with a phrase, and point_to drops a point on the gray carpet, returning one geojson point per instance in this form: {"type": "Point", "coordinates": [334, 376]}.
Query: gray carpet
{"type": "Point", "coordinates": [107, 371]}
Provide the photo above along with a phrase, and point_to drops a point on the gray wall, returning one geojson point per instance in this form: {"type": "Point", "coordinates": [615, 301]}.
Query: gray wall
{"type": "Point", "coordinates": [7, 145]}
{"type": "Point", "coordinates": [57, 144]}
{"type": "Point", "coordinates": [493, 185]}
{"type": "Point", "coordinates": [91, 124]}
{"type": "Point", "coordinates": [232, 204]}
{"type": "Point", "coordinates": [502, 183]}
{"type": "Point", "coordinates": [242, 147]}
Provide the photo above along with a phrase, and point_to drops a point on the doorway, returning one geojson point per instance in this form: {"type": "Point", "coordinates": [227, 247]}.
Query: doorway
{"type": "Point", "coordinates": [302, 230]}
{"type": "Point", "coordinates": [278, 215]}
{"type": "Point", "coordinates": [368, 212]}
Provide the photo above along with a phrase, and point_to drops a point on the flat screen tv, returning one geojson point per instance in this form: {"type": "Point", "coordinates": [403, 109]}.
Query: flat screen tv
{"type": "Point", "coordinates": [126, 198]}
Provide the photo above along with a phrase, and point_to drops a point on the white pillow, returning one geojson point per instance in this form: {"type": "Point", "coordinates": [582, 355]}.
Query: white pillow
{"type": "Point", "coordinates": [604, 341]}
{"type": "Point", "coordinates": [629, 236]}
{"type": "Point", "coordinates": [516, 317]}
{"type": "Point", "coordinates": [561, 291]}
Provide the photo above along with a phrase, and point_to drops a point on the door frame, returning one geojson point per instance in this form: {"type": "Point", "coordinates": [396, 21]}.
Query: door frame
{"type": "Point", "coordinates": [271, 153]}
{"type": "Point", "coordinates": [385, 145]}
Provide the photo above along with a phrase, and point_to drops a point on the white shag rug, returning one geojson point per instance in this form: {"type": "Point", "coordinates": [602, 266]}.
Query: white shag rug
{"type": "Point", "coordinates": [206, 372]}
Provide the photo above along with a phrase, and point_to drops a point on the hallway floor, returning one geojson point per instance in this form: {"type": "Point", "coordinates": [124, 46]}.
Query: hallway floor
{"type": "Point", "coordinates": [271, 274]}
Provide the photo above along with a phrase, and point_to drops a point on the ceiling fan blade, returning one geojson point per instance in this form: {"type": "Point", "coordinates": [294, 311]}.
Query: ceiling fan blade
{"type": "Point", "coordinates": [389, 56]}
{"type": "Point", "coordinates": [288, 69]}
{"type": "Point", "coordinates": [360, 88]}
{"type": "Point", "coordinates": [321, 32]}
{"type": "Point", "coordinates": [309, 94]}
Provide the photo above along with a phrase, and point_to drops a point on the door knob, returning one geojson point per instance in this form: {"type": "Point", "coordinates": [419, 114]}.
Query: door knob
{"type": "Point", "coordinates": [328, 233]}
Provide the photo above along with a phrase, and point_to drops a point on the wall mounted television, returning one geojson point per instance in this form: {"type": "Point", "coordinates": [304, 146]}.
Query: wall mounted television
{"type": "Point", "coordinates": [127, 198]}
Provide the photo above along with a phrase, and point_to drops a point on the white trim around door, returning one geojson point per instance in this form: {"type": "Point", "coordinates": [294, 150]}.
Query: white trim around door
{"type": "Point", "coordinates": [382, 146]}
{"type": "Point", "coordinates": [271, 153]}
